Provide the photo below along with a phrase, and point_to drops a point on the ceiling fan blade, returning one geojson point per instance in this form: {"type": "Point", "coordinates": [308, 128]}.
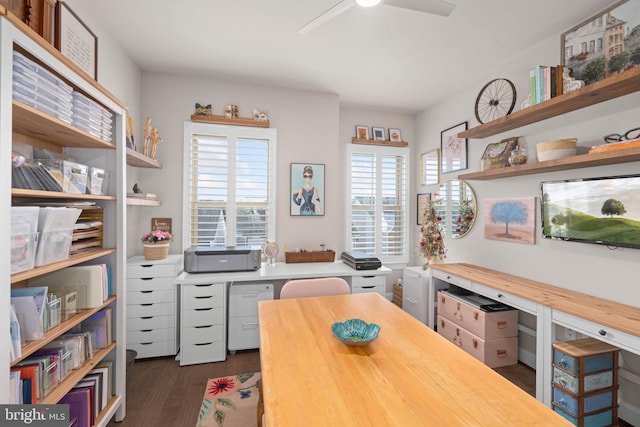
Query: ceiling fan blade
{"type": "Point", "coordinates": [326, 16]}
{"type": "Point", "coordinates": [434, 7]}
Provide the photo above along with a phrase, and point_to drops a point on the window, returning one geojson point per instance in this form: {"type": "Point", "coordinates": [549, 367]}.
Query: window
{"type": "Point", "coordinates": [229, 188]}
{"type": "Point", "coordinates": [377, 180]}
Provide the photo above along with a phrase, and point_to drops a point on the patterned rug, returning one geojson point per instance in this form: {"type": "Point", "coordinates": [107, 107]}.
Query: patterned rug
{"type": "Point", "coordinates": [230, 401]}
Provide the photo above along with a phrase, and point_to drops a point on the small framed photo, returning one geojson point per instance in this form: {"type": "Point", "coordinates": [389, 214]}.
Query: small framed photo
{"type": "Point", "coordinates": [422, 202]}
{"type": "Point", "coordinates": [378, 134]}
{"type": "Point", "coordinates": [395, 135]}
{"type": "Point", "coordinates": [453, 149]}
{"type": "Point", "coordinates": [362, 132]}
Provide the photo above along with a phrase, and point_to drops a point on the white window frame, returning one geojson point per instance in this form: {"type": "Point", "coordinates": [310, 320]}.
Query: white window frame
{"type": "Point", "coordinates": [391, 261]}
{"type": "Point", "coordinates": [232, 133]}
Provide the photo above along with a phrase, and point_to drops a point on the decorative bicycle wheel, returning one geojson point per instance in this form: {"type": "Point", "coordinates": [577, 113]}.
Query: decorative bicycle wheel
{"type": "Point", "coordinates": [496, 99]}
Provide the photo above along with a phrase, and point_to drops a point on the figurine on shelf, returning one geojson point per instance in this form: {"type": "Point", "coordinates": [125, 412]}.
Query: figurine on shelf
{"type": "Point", "coordinates": [147, 136]}
{"type": "Point", "coordinates": [155, 140]}
{"type": "Point", "coordinates": [568, 82]}
{"type": "Point", "coordinates": [260, 116]}
{"type": "Point", "coordinates": [231, 111]}
{"type": "Point", "coordinates": [204, 110]}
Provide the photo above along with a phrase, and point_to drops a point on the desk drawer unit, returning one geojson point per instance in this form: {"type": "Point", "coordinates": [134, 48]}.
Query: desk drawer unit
{"type": "Point", "coordinates": [493, 353]}
{"type": "Point", "coordinates": [244, 332]}
{"type": "Point", "coordinates": [490, 336]}
{"type": "Point", "coordinates": [585, 382]}
{"type": "Point", "coordinates": [484, 324]}
{"type": "Point", "coordinates": [151, 305]}
{"type": "Point", "coordinates": [203, 323]}
{"type": "Point", "coordinates": [362, 284]}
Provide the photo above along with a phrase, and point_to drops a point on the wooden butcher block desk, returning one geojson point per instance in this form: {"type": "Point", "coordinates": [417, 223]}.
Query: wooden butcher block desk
{"type": "Point", "coordinates": [409, 376]}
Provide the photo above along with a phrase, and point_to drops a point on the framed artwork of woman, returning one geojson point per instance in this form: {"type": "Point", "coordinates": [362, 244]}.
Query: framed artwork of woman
{"type": "Point", "coordinates": [307, 189]}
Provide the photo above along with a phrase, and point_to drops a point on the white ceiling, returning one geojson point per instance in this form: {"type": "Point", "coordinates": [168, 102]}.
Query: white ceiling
{"type": "Point", "coordinates": [383, 57]}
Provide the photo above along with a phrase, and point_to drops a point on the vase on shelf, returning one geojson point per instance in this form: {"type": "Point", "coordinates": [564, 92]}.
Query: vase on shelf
{"type": "Point", "coordinates": [156, 251]}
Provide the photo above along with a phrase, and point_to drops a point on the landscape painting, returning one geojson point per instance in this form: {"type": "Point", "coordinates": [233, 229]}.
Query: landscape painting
{"type": "Point", "coordinates": [511, 220]}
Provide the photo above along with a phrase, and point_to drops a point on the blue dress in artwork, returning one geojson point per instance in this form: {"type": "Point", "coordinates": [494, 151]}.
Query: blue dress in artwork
{"type": "Point", "coordinates": [307, 207]}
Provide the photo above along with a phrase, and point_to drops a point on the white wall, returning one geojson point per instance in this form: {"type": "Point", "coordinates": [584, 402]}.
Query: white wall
{"type": "Point", "coordinates": [588, 268]}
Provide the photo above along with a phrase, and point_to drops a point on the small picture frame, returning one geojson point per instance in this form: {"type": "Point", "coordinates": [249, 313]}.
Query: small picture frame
{"type": "Point", "coordinates": [395, 135]}
{"type": "Point", "coordinates": [423, 200]}
{"type": "Point", "coordinates": [362, 132]}
{"type": "Point", "coordinates": [378, 134]}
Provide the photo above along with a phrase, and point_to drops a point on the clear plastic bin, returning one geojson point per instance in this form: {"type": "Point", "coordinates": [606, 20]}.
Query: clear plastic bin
{"type": "Point", "coordinates": [23, 252]}
{"type": "Point", "coordinates": [54, 312]}
{"type": "Point", "coordinates": [72, 176]}
{"type": "Point", "coordinates": [98, 181]}
{"type": "Point", "coordinates": [53, 246]}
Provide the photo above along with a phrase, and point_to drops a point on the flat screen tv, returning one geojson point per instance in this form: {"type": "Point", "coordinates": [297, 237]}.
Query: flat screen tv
{"type": "Point", "coordinates": [594, 210]}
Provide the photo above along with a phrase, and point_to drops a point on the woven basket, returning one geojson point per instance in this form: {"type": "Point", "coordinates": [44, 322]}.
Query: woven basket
{"type": "Point", "coordinates": [154, 251]}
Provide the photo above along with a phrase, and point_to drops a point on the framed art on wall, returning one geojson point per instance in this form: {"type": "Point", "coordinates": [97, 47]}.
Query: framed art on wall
{"type": "Point", "coordinates": [430, 167]}
{"type": "Point", "coordinates": [395, 135]}
{"type": "Point", "coordinates": [453, 149]}
{"type": "Point", "coordinates": [75, 40]}
{"type": "Point", "coordinates": [307, 189]}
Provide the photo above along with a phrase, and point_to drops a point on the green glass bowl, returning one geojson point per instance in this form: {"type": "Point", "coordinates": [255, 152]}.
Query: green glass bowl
{"type": "Point", "coordinates": [355, 332]}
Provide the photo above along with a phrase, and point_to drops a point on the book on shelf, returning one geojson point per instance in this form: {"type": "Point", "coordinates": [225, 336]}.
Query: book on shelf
{"type": "Point", "coordinates": [145, 196]}
{"type": "Point", "coordinates": [545, 82]}
{"type": "Point", "coordinates": [614, 146]}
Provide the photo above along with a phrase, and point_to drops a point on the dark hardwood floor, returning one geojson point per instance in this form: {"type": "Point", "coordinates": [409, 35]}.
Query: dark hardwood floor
{"type": "Point", "coordinates": [161, 393]}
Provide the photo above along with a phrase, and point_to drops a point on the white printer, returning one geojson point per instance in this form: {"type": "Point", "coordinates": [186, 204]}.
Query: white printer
{"type": "Point", "coordinates": [215, 259]}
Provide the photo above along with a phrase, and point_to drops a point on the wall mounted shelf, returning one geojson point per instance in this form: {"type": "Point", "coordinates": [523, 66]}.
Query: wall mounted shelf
{"type": "Point", "coordinates": [623, 155]}
{"type": "Point", "coordinates": [376, 142]}
{"type": "Point", "coordinates": [223, 120]}
{"type": "Point", "coordinates": [612, 87]}
{"type": "Point", "coordinates": [140, 160]}
{"type": "Point", "coordinates": [132, 201]}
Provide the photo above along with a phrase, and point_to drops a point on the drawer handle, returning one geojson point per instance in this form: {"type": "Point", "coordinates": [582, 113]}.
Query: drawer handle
{"type": "Point", "coordinates": [457, 340]}
{"type": "Point", "coordinates": [204, 309]}
{"type": "Point", "coordinates": [442, 323]}
{"type": "Point", "coordinates": [249, 325]}
{"type": "Point", "coordinates": [475, 315]}
{"type": "Point", "coordinates": [458, 315]}
{"type": "Point", "coordinates": [205, 297]}
{"type": "Point", "coordinates": [458, 332]}
{"type": "Point", "coordinates": [448, 277]}
{"type": "Point", "coordinates": [367, 277]}
{"type": "Point", "coordinates": [146, 330]}
{"type": "Point", "coordinates": [204, 286]}
{"type": "Point", "coordinates": [146, 278]}
{"type": "Point", "coordinates": [146, 292]}
{"type": "Point", "coordinates": [602, 332]}
{"type": "Point", "coordinates": [146, 265]}
{"type": "Point", "coordinates": [500, 296]}
{"type": "Point", "coordinates": [147, 317]}
{"type": "Point", "coordinates": [412, 300]}
{"type": "Point", "coordinates": [250, 293]}
{"type": "Point", "coordinates": [369, 287]}
{"type": "Point", "coordinates": [442, 299]}
{"type": "Point", "coordinates": [205, 343]}
{"type": "Point", "coordinates": [146, 343]}
{"type": "Point", "coordinates": [147, 304]}
{"type": "Point", "coordinates": [203, 326]}
{"type": "Point", "coordinates": [475, 343]}
{"type": "Point", "coordinates": [502, 324]}
{"type": "Point", "coordinates": [501, 353]}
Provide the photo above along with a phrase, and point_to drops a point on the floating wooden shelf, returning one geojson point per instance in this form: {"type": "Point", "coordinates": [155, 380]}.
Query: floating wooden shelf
{"type": "Point", "coordinates": [623, 155]}
{"type": "Point", "coordinates": [223, 120]}
{"type": "Point", "coordinates": [39, 194]}
{"type": "Point", "coordinates": [612, 87]}
{"type": "Point", "coordinates": [132, 201]}
{"type": "Point", "coordinates": [355, 140]}
{"type": "Point", "coordinates": [140, 160]}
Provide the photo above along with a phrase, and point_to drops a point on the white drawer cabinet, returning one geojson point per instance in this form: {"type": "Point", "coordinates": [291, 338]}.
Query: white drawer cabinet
{"type": "Point", "coordinates": [203, 323]}
{"type": "Point", "coordinates": [151, 305]}
{"type": "Point", "coordinates": [244, 332]}
{"type": "Point", "coordinates": [361, 284]}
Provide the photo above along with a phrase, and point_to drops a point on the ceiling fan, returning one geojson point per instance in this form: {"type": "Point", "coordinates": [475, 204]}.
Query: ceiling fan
{"type": "Point", "coordinates": [435, 7]}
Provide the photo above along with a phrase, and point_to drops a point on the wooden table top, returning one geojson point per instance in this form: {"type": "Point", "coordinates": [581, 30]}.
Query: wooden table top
{"type": "Point", "coordinates": [409, 376]}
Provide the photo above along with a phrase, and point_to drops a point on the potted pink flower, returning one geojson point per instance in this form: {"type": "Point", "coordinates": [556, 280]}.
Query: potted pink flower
{"type": "Point", "coordinates": [156, 244]}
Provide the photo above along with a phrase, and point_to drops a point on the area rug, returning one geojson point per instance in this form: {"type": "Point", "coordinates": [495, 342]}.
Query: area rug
{"type": "Point", "coordinates": [230, 401]}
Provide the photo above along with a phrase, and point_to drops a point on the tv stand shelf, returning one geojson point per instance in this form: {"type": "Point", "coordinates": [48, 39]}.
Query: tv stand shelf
{"type": "Point", "coordinates": [623, 155]}
{"type": "Point", "coordinates": [610, 88]}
